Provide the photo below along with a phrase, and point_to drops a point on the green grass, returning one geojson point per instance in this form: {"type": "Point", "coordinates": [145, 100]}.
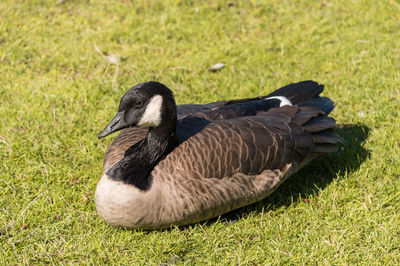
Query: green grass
{"type": "Point", "coordinates": [57, 92]}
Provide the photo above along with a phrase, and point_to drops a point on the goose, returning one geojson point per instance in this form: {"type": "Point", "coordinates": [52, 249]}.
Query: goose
{"type": "Point", "coordinates": [177, 165]}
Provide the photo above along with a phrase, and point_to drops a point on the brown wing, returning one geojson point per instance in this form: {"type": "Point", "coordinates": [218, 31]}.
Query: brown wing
{"type": "Point", "coordinates": [249, 145]}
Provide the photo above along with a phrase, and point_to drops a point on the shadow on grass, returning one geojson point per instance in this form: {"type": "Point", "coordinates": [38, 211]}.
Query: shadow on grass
{"type": "Point", "coordinates": [315, 176]}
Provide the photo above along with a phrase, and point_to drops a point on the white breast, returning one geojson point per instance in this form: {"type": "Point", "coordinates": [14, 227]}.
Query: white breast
{"type": "Point", "coordinates": [118, 203]}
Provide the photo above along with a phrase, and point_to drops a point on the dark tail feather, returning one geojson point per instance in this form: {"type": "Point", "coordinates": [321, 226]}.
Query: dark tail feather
{"type": "Point", "coordinates": [306, 113]}
{"type": "Point", "coordinates": [324, 103]}
{"type": "Point", "coordinates": [320, 123]}
{"type": "Point", "coordinates": [319, 126]}
{"type": "Point", "coordinates": [327, 136]}
{"type": "Point", "coordinates": [325, 148]}
{"type": "Point", "coordinates": [299, 92]}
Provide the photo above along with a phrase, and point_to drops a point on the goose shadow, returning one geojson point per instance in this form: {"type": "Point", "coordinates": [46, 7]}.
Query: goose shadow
{"type": "Point", "coordinates": [315, 176]}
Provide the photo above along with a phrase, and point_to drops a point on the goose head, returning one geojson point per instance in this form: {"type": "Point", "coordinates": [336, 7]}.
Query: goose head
{"type": "Point", "coordinates": [149, 104]}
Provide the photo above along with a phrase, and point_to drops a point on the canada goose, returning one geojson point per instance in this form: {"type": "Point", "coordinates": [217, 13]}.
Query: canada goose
{"type": "Point", "coordinates": [176, 165]}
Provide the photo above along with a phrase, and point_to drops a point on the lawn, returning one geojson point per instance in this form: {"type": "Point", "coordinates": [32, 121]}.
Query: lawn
{"type": "Point", "coordinates": [65, 64]}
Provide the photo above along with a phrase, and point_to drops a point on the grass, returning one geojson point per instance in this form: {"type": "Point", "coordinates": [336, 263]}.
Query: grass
{"type": "Point", "coordinates": [57, 91]}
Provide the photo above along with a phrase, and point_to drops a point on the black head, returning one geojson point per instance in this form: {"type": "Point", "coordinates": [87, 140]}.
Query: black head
{"type": "Point", "coordinates": [146, 104]}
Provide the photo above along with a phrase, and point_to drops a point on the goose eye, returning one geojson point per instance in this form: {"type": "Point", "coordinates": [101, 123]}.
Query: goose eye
{"type": "Point", "coordinates": [138, 104]}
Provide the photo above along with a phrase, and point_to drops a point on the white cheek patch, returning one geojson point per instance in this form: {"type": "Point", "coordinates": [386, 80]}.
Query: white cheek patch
{"type": "Point", "coordinates": [283, 99]}
{"type": "Point", "coordinates": [152, 114]}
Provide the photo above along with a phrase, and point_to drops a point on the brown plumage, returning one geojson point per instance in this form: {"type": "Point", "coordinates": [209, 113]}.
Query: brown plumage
{"type": "Point", "coordinates": [217, 158]}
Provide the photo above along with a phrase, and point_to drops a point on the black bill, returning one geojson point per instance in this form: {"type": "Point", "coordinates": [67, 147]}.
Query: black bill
{"type": "Point", "coordinates": [117, 123]}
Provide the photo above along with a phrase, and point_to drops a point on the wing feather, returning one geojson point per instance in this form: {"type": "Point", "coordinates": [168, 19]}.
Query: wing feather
{"type": "Point", "coordinates": [252, 144]}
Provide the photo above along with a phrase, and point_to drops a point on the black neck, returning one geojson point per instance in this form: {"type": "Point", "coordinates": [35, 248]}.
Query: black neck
{"type": "Point", "coordinates": [140, 159]}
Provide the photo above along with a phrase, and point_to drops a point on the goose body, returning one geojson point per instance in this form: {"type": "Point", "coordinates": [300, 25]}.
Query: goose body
{"type": "Point", "coordinates": [176, 165]}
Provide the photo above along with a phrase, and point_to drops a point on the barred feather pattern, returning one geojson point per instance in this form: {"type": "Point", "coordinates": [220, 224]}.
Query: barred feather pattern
{"type": "Point", "coordinates": [222, 164]}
